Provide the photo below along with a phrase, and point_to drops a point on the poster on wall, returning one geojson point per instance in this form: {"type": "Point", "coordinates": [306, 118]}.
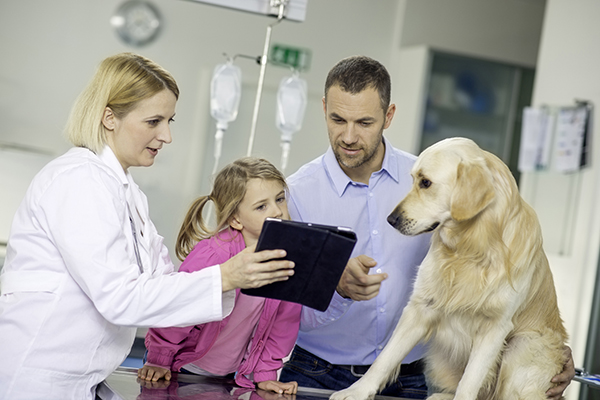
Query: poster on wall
{"type": "Point", "coordinates": [555, 137]}
{"type": "Point", "coordinates": [536, 139]}
{"type": "Point", "coordinates": [571, 131]}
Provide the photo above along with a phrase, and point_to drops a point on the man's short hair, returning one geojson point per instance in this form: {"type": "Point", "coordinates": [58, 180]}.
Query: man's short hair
{"type": "Point", "coordinates": [357, 73]}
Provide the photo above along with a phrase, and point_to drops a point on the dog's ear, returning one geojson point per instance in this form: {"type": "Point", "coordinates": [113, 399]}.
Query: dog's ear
{"type": "Point", "coordinates": [473, 192]}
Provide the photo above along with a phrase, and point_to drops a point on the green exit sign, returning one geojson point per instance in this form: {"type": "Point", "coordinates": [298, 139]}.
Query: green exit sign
{"type": "Point", "coordinates": [291, 56]}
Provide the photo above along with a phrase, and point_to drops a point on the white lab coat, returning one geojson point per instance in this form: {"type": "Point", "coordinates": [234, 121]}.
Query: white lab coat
{"type": "Point", "coordinates": [71, 291]}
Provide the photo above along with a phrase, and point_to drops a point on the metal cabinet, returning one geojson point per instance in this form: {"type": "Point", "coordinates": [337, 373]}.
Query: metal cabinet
{"type": "Point", "coordinates": [478, 99]}
{"type": "Point", "coordinates": [439, 94]}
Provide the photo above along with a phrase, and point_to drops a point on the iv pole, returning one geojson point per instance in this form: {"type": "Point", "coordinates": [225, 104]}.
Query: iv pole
{"type": "Point", "coordinates": [263, 67]}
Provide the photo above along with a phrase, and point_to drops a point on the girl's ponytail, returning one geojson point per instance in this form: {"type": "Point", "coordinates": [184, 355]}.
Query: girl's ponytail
{"type": "Point", "coordinates": [193, 229]}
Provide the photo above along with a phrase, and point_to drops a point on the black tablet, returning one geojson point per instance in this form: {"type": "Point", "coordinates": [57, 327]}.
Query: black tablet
{"type": "Point", "coordinates": [320, 254]}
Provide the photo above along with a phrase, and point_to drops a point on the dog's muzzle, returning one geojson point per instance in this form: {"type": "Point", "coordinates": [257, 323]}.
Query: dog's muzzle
{"type": "Point", "coordinates": [400, 223]}
{"type": "Point", "coordinates": [406, 225]}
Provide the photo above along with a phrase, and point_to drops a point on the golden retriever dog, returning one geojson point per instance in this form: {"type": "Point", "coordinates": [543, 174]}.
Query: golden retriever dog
{"type": "Point", "coordinates": [484, 297]}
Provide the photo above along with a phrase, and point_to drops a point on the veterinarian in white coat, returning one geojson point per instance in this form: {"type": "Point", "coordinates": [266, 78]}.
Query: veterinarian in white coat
{"type": "Point", "coordinates": [85, 265]}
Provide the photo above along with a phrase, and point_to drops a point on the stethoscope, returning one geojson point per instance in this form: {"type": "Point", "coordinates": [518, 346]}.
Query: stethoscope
{"type": "Point", "coordinates": [136, 248]}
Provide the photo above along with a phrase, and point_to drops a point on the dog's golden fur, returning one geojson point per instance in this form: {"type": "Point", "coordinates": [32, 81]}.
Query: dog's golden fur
{"type": "Point", "coordinates": [484, 297]}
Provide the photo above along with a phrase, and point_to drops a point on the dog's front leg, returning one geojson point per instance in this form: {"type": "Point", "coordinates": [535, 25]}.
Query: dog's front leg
{"type": "Point", "coordinates": [484, 355]}
{"type": "Point", "coordinates": [411, 328]}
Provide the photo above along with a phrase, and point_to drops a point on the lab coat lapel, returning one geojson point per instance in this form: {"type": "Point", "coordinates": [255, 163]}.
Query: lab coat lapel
{"type": "Point", "coordinates": [136, 204]}
{"type": "Point", "coordinates": [139, 214]}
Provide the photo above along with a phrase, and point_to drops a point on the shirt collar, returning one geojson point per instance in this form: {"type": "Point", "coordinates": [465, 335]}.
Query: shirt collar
{"type": "Point", "coordinates": [341, 180]}
{"type": "Point", "coordinates": [108, 157]}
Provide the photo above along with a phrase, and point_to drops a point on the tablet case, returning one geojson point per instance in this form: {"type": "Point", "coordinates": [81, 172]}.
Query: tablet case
{"type": "Point", "coordinates": [320, 254]}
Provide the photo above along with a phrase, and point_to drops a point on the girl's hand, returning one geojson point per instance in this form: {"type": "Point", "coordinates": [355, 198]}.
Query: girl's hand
{"type": "Point", "coordinates": [152, 373]}
{"type": "Point", "coordinates": [248, 269]}
{"type": "Point", "coordinates": [279, 387]}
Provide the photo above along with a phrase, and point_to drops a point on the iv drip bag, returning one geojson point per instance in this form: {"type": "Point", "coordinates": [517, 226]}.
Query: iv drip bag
{"type": "Point", "coordinates": [291, 104]}
{"type": "Point", "coordinates": [225, 93]}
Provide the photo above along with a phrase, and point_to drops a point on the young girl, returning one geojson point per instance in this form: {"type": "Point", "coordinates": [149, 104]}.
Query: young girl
{"type": "Point", "coordinates": [259, 332]}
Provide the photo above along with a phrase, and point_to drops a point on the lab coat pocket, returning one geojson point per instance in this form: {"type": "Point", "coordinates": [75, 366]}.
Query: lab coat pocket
{"type": "Point", "coordinates": [37, 383]}
{"type": "Point", "coordinates": [31, 293]}
{"type": "Point", "coordinates": [21, 345]}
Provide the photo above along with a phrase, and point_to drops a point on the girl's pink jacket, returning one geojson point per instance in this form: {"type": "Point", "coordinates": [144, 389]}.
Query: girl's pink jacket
{"type": "Point", "coordinates": [273, 339]}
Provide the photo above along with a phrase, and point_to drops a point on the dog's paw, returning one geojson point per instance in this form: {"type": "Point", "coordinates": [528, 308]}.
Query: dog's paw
{"type": "Point", "coordinates": [352, 393]}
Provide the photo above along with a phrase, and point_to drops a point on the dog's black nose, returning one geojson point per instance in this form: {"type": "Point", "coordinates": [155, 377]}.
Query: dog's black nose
{"type": "Point", "coordinates": [393, 220]}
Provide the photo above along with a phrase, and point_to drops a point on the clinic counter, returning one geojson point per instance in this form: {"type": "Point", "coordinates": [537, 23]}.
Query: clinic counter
{"type": "Point", "coordinates": [124, 385]}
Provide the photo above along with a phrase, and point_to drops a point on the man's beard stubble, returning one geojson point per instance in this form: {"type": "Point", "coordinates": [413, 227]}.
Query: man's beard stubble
{"type": "Point", "coordinates": [357, 161]}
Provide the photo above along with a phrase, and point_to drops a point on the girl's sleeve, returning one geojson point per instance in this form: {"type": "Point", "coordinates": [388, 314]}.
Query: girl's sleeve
{"type": "Point", "coordinates": [164, 343]}
{"type": "Point", "coordinates": [279, 343]}
{"type": "Point", "coordinates": [213, 251]}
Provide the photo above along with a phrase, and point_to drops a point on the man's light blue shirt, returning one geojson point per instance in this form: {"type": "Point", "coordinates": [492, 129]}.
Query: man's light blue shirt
{"type": "Point", "coordinates": [350, 332]}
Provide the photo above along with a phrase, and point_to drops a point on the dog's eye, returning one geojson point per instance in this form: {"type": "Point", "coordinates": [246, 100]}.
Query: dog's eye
{"type": "Point", "coordinates": [425, 183]}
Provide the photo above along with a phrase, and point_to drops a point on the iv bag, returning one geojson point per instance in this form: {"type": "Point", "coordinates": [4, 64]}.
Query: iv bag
{"type": "Point", "coordinates": [225, 93]}
{"type": "Point", "coordinates": [291, 104]}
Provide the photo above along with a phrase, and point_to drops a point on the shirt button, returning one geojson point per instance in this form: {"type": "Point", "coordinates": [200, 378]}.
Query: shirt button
{"type": "Point", "coordinates": [370, 194]}
{"type": "Point", "coordinates": [378, 270]}
{"type": "Point", "coordinates": [375, 232]}
{"type": "Point", "coordinates": [379, 347]}
{"type": "Point", "coordinates": [382, 309]}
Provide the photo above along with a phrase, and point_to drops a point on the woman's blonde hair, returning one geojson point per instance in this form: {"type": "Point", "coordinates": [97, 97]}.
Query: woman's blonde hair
{"type": "Point", "coordinates": [120, 83]}
{"type": "Point", "coordinates": [228, 192]}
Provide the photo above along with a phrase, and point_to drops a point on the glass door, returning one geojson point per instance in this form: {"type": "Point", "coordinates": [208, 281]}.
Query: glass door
{"type": "Point", "coordinates": [478, 99]}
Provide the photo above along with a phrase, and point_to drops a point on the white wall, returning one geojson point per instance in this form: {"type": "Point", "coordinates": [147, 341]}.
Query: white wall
{"type": "Point", "coordinates": [507, 30]}
{"type": "Point", "coordinates": [49, 50]}
{"type": "Point", "coordinates": [568, 66]}
{"type": "Point", "coordinates": [14, 185]}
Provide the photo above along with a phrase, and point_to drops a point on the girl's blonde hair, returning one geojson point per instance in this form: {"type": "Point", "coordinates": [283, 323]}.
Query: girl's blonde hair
{"type": "Point", "coordinates": [228, 192]}
{"type": "Point", "coordinates": [120, 83]}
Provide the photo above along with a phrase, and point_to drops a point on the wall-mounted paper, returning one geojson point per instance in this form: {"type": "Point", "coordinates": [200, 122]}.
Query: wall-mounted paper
{"type": "Point", "coordinates": [536, 139]}
{"type": "Point", "coordinates": [570, 134]}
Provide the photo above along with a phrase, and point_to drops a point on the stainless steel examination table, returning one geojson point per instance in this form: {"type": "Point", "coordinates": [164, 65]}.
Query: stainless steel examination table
{"type": "Point", "coordinates": [124, 385]}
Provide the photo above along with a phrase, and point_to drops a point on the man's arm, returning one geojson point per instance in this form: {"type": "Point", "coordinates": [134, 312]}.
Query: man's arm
{"type": "Point", "coordinates": [564, 378]}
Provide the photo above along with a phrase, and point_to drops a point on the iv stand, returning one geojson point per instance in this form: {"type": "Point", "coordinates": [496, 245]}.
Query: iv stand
{"type": "Point", "coordinates": [263, 67]}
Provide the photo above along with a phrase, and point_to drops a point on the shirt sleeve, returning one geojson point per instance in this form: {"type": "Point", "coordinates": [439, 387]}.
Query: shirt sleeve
{"type": "Point", "coordinates": [210, 252]}
{"type": "Point", "coordinates": [164, 343]}
{"type": "Point", "coordinates": [84, 211]}
{"type": "Point", "coordinates": [312, 319]}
